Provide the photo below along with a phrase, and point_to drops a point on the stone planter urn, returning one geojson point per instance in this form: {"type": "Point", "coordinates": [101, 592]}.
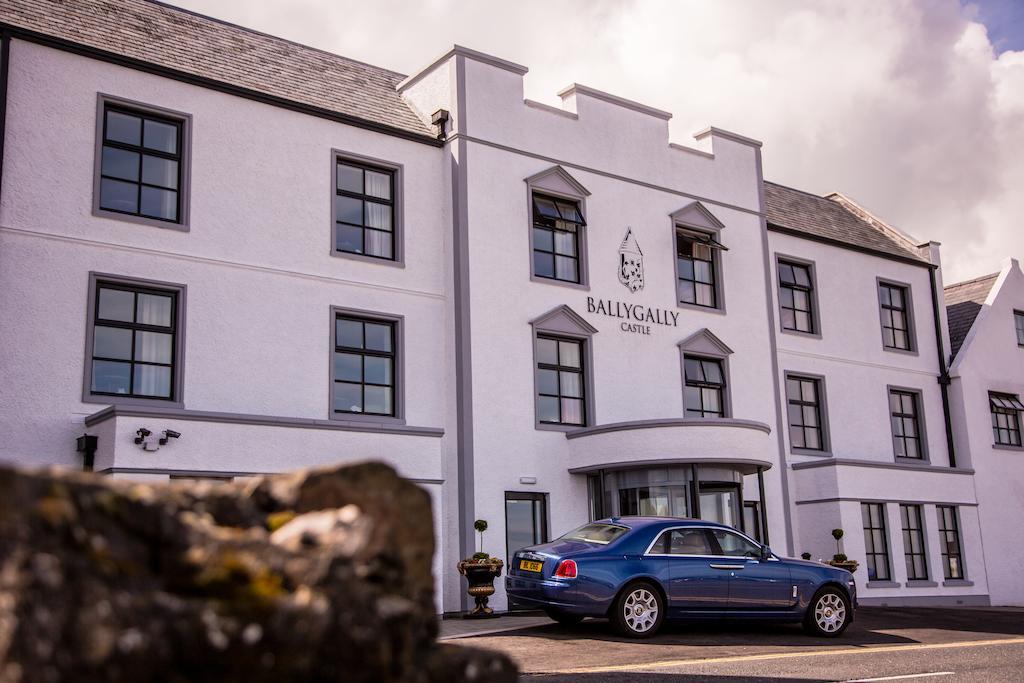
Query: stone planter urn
{"type": "Point", "coordinates": [480, 574]}
{"type": "Point", "coordinates": [848, 565]}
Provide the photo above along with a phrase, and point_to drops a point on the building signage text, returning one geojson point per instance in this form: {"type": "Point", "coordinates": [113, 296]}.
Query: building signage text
{"type": "Point", "coordinates": [638, 318]}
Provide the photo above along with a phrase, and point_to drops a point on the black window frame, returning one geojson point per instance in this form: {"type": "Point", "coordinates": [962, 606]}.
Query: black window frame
{"type": "Point", "coordinates": [394, 176]}
{"type": "Point", "coordinates": [950, 546]}
{"type": "Point", "coordinates": [912, 526]}
{"type": "Point", "coordinates": [899, 417]}
{"type": "Point", "coordinates": [818, 405]}
{"type": "Point", "coordinates": [174, 330]}
{"type": "Point", "coordinates": [795, 286]}
{"type": "Point", "coordinates": [1006, 412]}
{"type": "Point", "coordinates": [552, 225]}
{"type": "Point", "coordinates": [693, 238]}
{"type": "Point", "coordinates": [180, 157]}
{"type": "Point", "coordinates": [873, 556]}
{"type": "Point", "coordinates": [702, 385]}
{"type": "Point", "coordinates": [558, 369]}
{"type": "Point", "coordinates": [887, 311]}
{"type": "Point", "coordinates": [393, 355]}
{"type": "Point", "coordinates": [1018, 325]}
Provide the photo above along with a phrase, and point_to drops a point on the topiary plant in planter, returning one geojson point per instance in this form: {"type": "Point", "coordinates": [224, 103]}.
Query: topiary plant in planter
{"type": "Point", "coordinates": [839, 559]}
{"type": "Point", "coordinates": [480, 571]}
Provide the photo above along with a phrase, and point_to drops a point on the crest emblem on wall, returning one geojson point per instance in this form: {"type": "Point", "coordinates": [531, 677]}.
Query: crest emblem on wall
{"type": "Point", "coordinates": [631, 263]}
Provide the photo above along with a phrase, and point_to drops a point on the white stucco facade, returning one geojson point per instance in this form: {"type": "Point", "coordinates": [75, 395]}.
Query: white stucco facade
{"type": "Point", "coordinates": [261, 286]}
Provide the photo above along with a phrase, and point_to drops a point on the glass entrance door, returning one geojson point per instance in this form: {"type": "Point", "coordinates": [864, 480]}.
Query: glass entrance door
{"type": "Point", "coordinates": [526, 521]}
{"type": "Point", "coordinates": [720, 502]}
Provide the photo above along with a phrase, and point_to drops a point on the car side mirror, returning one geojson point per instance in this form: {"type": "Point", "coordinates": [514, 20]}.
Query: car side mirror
{"type": "Point", "coordinates": [766, 552]}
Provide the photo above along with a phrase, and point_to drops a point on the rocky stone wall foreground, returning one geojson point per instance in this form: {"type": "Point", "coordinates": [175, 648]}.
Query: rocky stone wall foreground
{"type": "Point", "coordinates": [320, 575]}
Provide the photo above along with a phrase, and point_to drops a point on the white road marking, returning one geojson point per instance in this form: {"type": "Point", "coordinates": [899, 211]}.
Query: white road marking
{"type": "Point", "coordinates": [900, 678]}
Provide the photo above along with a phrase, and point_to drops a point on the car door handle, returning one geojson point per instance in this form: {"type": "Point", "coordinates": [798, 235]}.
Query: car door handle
{"type": "Point", "coordinates": [725, 566]}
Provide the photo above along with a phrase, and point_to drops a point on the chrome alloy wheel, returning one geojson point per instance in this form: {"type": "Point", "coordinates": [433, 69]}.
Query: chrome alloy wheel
{"type": "Point", "coordinates": [640, 610]}
{"type": "Point", "coordinates": [830, 613]}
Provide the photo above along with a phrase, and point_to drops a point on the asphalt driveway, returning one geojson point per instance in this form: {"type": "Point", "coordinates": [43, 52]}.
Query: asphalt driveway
{"type": "Point", "coordinates": [882, 644]}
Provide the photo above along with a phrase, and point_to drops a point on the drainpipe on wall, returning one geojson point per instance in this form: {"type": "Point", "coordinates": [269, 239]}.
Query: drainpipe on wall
{"type": "Point", "coordinates": [943, 378]}
{"type": "Point", "coordinates": [5, 69]}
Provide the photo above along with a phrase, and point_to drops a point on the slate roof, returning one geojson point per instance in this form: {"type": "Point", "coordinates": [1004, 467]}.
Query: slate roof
{"type": "Point", "coordinates": [963, 302]}
{"type": "Point", "coordinates": [201, 46]}
{"type": "Point", "coordinates": [827, 218]}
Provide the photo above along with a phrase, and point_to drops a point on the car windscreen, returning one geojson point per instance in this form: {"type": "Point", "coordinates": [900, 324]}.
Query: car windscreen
{"type": "Point", "coordinates": [596, 533]}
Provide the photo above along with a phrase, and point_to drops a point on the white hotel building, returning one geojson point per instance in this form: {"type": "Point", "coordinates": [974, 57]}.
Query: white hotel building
{"type": "Point", "coordinates": [542, 314]}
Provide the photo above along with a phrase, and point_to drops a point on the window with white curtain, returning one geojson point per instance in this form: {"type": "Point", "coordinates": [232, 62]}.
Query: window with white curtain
{"type": "Point", "coordinates": [364, 210]}
{"type": "Point", "coordinates": [134, 341]}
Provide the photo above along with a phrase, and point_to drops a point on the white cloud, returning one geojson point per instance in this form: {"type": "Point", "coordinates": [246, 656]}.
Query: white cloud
{"type": "Point", "coordinates": [902, 104]}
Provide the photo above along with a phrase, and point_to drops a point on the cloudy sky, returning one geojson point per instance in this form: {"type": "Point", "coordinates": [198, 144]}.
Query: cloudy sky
{"type": "Point", "coordinates": [915, 108]}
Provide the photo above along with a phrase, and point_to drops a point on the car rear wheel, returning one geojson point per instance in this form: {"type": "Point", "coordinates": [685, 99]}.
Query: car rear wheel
{"type": "Point", "coordinates": [639, 611]}
{"type": "Point", "coordinates": [564, 617]}
{"type": "Point", "coordinates": [829, 613]}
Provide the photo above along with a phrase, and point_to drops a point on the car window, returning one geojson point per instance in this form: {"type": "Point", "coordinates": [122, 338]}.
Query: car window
{"type": "Point", "coordinates": [683, 542]}
{"type": "Point", "coordinates": [596, 533]}
{"type": "Point", "coordinates": [689, 542]}
{"type": "Point", "coordinates": [734, 545]}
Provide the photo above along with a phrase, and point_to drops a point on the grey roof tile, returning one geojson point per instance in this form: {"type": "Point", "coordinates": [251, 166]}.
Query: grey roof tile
{"type": "Point", "coordinates": [205, 47]}
{"type": "Point", "coordinates": [827, 218]}
{"type": "Point", "coordinates": [963, 302]}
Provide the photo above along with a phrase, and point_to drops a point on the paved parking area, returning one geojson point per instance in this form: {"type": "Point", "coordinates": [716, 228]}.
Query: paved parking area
{"type": "Point", "coordinates": [883, 644]}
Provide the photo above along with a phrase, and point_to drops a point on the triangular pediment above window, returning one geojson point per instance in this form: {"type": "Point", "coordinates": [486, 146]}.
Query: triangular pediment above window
{"type": "Point", "coordinates": [564, 320]}
{"type": "Point", "coordinates": [557, 180]}
{"type": "Point", "coordinates": [696, 215]}
{"type": "Point", "coordinates": [705, 343]}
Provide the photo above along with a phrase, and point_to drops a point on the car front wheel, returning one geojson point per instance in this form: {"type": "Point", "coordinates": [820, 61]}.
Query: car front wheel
{"type": "Point", "coordinates": [829, 613]}
{"type": "Point", "coordinates": [639, 611]}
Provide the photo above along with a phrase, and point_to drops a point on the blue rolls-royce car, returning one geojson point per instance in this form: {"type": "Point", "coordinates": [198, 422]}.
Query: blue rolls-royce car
{"type": "Point", "coordinates": [638, 571]}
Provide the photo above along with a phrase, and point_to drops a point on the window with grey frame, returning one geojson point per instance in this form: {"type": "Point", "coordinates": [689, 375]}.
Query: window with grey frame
{"type": "Point", "coordinates": [696, 268]}
{"type": "Point", "coordinates": [876, 541]}
{"type": "Point", "coordinates": [1006, 410]}
{"type": "Point", "coordinates": [1018, 323]}
{"type": "Point", "coordinates": [904, 411]}
{"type": "Point", "coordinates": [134, 341]}
{"type": "Point", "coordinates": [949, 542]}
{"type": "Point", "coordinates": [364, 210]}
{"type": "Point", "coordinates": [561, 381]}
{"type": "Point", "coordinates": [141, 162]}
{"type": "Point", "coordinates": [364, 378]}
{"type": "Point", "coordinates": [803, 395]}
{"type": "Point", "coordinates": [896, 333]}
{"type": "Point", "coordinates": [557, 224]}
{"type": "Point", "coordinates": [796, 297]}
{"type": "Point", "coordinates": [913, 542]}
{"type": "Point", "coordinates": [704, 393]}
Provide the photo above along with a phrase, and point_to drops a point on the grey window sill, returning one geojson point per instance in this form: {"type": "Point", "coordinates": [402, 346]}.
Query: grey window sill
{"type": "Point", "coordinates": [882, 584]}
{"type": "Point", "coordinates": [545, 427]}
{"type": "Point", "coordinates": [921, 583]}
{"type": "Point", "coordinates": [720, 310]}
{"type": "Point", "coordinates": [363, 258]}
{"type": "Point", "coordinates": [798, 333]}
{"type": "Point", "coordinates": [1006, 447]}
{"type": "Point", "coordinates": [361, 419]}
{"type": "Point", "coordinates": [583, 286]}
{"type": "Point", "coordinates": [905, 352]}
{"type": "Point", "coordinates": [132, 401]}
{"type": "Point", "coordinates": [140, 220]}
{"type": "Point", "coordinates": [957, 582]}
{"type": "Point", "coordinates": [810, 451]}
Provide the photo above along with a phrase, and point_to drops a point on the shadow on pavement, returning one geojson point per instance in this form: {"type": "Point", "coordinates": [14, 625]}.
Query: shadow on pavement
{"type": "Point", "coordinates": [871, 627]}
